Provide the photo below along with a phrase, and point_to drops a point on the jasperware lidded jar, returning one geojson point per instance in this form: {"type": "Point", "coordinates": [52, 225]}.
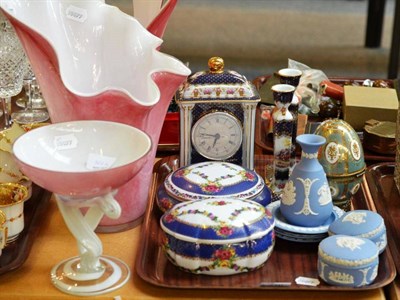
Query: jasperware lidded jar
{"type": "Point", "coordinates": [212, 179]}
{"type": "Point", "coordinates": [347, 261]}
{"type": "Point", "coordinates": [218, 236]}
{"type": "Point", "coordinates": [361, 223]}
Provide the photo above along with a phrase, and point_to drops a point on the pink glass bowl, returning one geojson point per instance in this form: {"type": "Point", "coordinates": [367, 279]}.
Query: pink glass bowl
{"type": "Point", "coordinates": [82, 159]}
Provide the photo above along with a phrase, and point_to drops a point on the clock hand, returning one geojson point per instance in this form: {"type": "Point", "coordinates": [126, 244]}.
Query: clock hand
{"type": "Point", "coordinates": [210, 135]}
{"type": "Point", "coordinates": [216, 138]}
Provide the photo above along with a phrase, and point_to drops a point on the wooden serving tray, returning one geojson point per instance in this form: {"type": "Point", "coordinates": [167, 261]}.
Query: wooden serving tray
{"type": "Point", "coordinates": [288, 261]}
{"type": "Point", "coordinates": [386, 197]}
{"type": "Point", "coordinates": [16, 253]}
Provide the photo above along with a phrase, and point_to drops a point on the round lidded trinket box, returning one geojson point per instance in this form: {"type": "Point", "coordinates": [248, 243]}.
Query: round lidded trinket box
{"type": "Point", "coordinates": [218, 236]}
{"type": "Point", "coordinates": [361, 223]}
{"type": "Point", "coordinates": [212, 180]}
{"type": "Point", "coordinates": [342, 158]}
{"type": "Point", "coordinates": [347, 261]}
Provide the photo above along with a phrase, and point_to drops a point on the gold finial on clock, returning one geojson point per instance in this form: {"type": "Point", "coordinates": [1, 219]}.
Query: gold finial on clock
{"type": "Point", "coordinates": [216, 64]}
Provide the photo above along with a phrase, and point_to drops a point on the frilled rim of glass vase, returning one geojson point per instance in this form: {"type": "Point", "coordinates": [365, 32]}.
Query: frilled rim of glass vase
{"type": "Point", "coordinates": [84, 35]}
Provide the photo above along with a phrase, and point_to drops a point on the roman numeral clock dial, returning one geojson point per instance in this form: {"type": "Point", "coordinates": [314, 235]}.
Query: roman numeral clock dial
{"type": "Point", "coordinates": [217, 135]}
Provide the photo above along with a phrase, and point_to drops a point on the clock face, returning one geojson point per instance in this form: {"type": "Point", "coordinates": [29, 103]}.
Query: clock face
{"type": "Point", "coordinates": [217, 135]}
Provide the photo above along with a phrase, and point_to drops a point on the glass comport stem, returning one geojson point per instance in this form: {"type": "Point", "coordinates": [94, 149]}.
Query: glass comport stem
{"type": "Point", "coordinates": [82, 227]}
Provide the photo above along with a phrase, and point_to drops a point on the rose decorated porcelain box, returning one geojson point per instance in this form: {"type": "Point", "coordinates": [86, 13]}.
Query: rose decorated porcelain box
{"type": "Point", "coordinates": [212, 179]}
{"type": "Point", "coordinates": [218, 236]}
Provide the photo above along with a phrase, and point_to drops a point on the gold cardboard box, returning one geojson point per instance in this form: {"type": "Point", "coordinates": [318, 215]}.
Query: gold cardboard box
{"type": "Point", "coordinates": [364, 103]}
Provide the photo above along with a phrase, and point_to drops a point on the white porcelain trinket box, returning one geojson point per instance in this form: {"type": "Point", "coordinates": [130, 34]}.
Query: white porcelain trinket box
{"type": "Point", "coordinates": [347, 261]}
{"type": "Point", "coordinates": [213, 179]}
{"type": "Point", "coordinates": [361, 223]}
{"type": "Point", "coordinates": [218, 236]}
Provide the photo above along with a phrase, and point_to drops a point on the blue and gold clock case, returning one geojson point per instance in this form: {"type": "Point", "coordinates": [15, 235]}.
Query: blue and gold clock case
{"type": "Point", "coordinates": [217, 116]}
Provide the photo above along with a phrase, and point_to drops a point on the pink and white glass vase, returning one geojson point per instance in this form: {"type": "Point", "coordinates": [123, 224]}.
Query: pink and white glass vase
{"type": "Point", "coordinates": [94, 62]}
{"type": "Point", "coordinates": [84, 163]}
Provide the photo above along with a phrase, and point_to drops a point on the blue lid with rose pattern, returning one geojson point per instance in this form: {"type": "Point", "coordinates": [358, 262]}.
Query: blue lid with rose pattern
{"type": "Point", "coordinates": [213, 179]}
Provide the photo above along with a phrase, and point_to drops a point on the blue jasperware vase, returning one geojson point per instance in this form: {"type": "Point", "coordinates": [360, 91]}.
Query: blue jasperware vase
{"type": "Point", "coordinates": [306, 197]}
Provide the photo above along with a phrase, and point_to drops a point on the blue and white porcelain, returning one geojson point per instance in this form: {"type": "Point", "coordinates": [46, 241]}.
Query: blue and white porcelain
{"type": "Point", "coordinates": [347, 261]}
{"type": "Point", "coordinates": [218, 236]}
{"type": "Point", "coordinates": [306, 198]}
{"type": "Point", "coordinates": [212, 179]}
{"type": "Point", "coordinates": [362, 223]}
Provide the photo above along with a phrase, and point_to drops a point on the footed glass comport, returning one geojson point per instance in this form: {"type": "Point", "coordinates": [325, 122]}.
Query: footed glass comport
{"type": "Point", "coordinates": [84, 163]}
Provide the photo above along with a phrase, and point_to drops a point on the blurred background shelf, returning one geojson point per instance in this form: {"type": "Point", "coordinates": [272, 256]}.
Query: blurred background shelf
{"type": "Point", "coordinates": [257, 37]}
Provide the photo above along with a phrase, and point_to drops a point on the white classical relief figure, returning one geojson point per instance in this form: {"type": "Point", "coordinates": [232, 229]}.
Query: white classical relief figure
{"type": "Point", "coordinates": [364, 272]}
{"type": "Point", "coordinates": [382, 242]}
{"type": "Point", "coordinates": [307, 183]}
{"type": "Point", "coordinates": [309, 155]}
{"type": "Point", "coordinates": [355, 217]}
{"type": "Point", "coordinates": [341, 277]}
{"type": "Point", "coordinates": [289, 193]}
{"type": "Point", "coordinates": [349, 242]}
{"type": "Point", "coordinates": [324, 194]}
{"type": "Point", "coordinates": [322, 270]}
{"type": "Point", "coordinates": [374, 273]}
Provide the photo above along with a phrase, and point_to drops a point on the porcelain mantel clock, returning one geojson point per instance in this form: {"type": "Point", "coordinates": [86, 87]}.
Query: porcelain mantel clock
{"type": "Point", "coordinates": [217, 117]}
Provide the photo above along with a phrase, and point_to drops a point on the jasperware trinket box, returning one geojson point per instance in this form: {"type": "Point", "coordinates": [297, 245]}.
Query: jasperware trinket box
{"type": "Point", "coordinates": [212, 179]}
{"type": "Point", "coordinates": [362, 223]}
{"type": "Point", "coordinates": [347, 261]}
{"type": "Point", "coordinates": [218, 236]}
